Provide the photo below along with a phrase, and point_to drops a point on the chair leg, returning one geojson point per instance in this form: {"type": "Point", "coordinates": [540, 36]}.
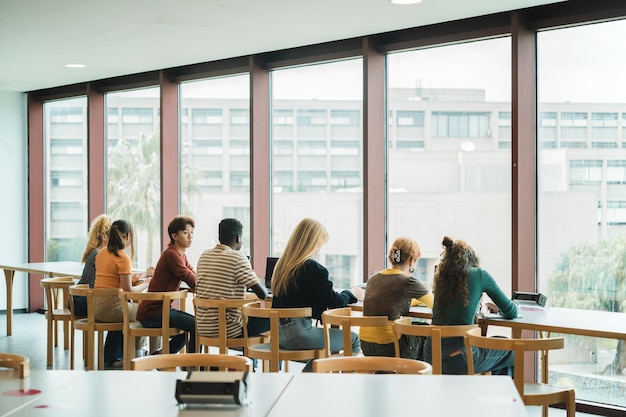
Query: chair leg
{"type": "Point", "coordinates": [49, 343]}
{"type": "Point", "coordinates": [570, 405]}
{"type": "Point", "coordinates": [66, 334]}
{"type": "Point", "coordinates": [72, 346]}
{"type": "Point", "coordinates": [101, 336]}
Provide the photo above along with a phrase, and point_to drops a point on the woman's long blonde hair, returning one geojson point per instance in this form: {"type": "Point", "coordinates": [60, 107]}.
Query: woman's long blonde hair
{"type": "Point", "coordinates": [305, 240]}
{"type": "Point", "coordinates": [99, 226]}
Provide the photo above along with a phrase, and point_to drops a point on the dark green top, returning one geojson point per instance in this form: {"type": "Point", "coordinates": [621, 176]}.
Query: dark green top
{"type": "Point", "coordinates": [478, 281]}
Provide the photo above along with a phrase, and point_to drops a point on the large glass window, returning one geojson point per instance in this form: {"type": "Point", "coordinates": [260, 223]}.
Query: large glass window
{"type": "Point", "coordinates": [65, 135]}
{"type": "Point", "coordinates": [317, 159]}
{"type": "Point", "coordinates": [215, 158]}
{"type": "Point", "coordinates": [134, 168]}
{"type": "Point", "coordinates": [448, 162]}
{"type": "Point", "coordinates": [582, 195]}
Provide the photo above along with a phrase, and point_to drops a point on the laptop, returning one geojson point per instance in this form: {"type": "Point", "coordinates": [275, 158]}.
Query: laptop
{"type": "Point", "coordinates": [269, 271]}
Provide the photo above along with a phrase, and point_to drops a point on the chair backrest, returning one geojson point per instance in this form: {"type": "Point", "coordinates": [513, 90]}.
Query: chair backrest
{"type": "Point", "coordinates": [256, 309]}
{"type": "Point", "coordinates": [221, 306]}
{"type": "Point", "coordinates": [201, 361]}
{"type": "Point", "coordinates": [166, 297]}
{"type": "Point", "coordinates": [17, 362]}
{"type": "Point", "coordinates": [90, 294]}
{"type": "Point", "coordinates": [346, 318]}
{"type": "Point", "coordinates": [474, 338]}
{"type": "Point", "coordinates": [56, 291]}
{"type": "Point", "coordinates": [436, 333]}
{"type": "Point", "coordinates": [371, 364]}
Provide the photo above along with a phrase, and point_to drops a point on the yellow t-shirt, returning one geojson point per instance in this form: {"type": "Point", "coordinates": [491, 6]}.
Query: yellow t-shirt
{"type": "Point", "coordinates": [109, 268]}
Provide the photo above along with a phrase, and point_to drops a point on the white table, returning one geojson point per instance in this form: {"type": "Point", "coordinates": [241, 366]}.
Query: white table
{"type": "Point", "coordinates": [364, 395]}
{"type": "Point", "coordinates": [567, 321]}
{"type": "Point", "coordinates": [38, 384]}
{"type": "Point", "coordinates": [138, 393]}
{"type": "Point", "coordinates": [51, 269]}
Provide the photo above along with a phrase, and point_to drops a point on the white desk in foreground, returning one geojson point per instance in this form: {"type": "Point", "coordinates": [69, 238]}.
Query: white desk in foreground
{"type": "Point", "coordinates": [362, 395]}
{"type": "Point", "coordinates": [141, 394]}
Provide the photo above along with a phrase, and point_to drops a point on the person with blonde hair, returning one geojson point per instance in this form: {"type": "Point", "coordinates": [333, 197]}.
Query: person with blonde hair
{"type": "Point", "coordinates": [301, 281]}
{"type": "Point", "coordinates": [391, 293]}
{"type": "Point", "coordinates": [458, 287]}
{"type": "Point", "coordinates": [97, 239]}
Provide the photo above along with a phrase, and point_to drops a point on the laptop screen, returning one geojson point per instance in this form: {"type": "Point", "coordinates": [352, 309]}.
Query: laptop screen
{"type": "Point", "coordinates": [269, 271]}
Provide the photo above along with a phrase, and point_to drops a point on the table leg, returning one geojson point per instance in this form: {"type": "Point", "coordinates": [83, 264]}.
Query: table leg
{"type": "Point", "coordinates": [8, 276]}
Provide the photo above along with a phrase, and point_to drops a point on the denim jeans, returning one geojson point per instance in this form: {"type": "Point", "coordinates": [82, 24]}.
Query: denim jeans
{"type": "Point", "coordinates": [411, 347]}
{"type": "Point", "coordinates": [180, 320]}
{"type": "Point", "coordinates": [300, 334]}
{"type": "Point", "coordinates": [454, 358]}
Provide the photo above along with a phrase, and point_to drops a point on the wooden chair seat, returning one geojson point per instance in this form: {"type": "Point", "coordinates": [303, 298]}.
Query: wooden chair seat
{"type": "Point", "coordinates": [200, 361]}
{"type": "Point", "coordinates": [133, 329]}
{"type": "Point", "coordinates": [346, 318]}
{"type": "Point", "coordinates": [57, 296]}
{"type": "Point", "coordinates": [539, 393]}
{"type": "Point", "coordinates": [272, 351]}
{"type": "Point", "coordinates": [16, 362]}
{"type": "Point", "coordinates": [90, 326]}
{"type": "Point", "coordinates": [222, 342]}
{"type": "Point", "coordinates": [436, 333]}
{"type": "Point", "coordinates": [371, 364]}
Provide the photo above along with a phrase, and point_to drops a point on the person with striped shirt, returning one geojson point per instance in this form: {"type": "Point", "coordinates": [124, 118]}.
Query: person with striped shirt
{"type": "Point", "coordinates": [224, 272]}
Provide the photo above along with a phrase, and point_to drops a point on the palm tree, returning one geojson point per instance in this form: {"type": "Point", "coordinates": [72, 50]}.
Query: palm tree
{"type": "Point", "coordinates": [134, 187]}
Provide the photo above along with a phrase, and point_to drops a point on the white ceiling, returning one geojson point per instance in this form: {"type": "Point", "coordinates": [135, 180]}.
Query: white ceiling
{"type": "Point", "coordinates": [118, 37]}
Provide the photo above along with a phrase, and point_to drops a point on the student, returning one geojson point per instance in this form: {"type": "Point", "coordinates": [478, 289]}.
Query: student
{"type": "Point", "coordinates": [224, 272]}
{"type": "Point", "coordinates": [391, 293]}
{"type": "Point", "coordinates": [171, 270]}
{"type": "Point", "coordinates": [97, 240]}
{"type": "Point", "coordinates": [459, 284]}
{"type": "Point", "coordinates": [300, 281]}
{"type": "Point", "coordinates": [114, 270]}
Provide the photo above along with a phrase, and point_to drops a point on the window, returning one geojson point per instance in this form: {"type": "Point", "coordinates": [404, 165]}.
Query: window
{"type": "Point", "coordinates": [460, 124]}
{"type": "Point", "coordinates": [215, 177]}
{"type": "Point", "coordinates": [324, 101]}
{"type": "Point", "coordinates": [65, 136]}
{"type": "Point", "coordinates": [581, 227]}
{"type": "Point", "coordinates": [450, 180]}
{"type": "Point", "coordinates": [134, 171]}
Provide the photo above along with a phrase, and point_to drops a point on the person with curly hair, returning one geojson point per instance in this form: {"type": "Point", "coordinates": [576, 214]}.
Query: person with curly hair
{"type": "Point", "coordinates": [98, 239]}
{"type": "Point", "coordinates": [458, 287]}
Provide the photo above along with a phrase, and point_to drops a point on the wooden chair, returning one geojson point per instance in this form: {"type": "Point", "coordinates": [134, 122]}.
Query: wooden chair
{"type": "Point", "coordinates": [17, 362]}
{"type": "Point", "coordinates": [222, 342]}
{"type": "Point", "coordinates": [133, 329]}
{"type": "Point", "coordinates": [436, 333]}
{"type": "Point", "coordinates": [371, 364]}
{"type": "Point", "coordinates": [532, 393]}
{"type": "Point", "coordinates": [57, 297]}
{"type": "Point", "coordinates": [201, 361]}
{"type": "Point", "coordinates": [272, 351]}
{"type": "Point", "coordinates": [345, 318]}
{"type": "Point", "coordinates": [89, 326]}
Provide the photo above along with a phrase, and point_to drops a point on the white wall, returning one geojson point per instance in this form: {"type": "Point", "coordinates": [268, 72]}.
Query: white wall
{"type": "Point", "coordinates": [13, 195]}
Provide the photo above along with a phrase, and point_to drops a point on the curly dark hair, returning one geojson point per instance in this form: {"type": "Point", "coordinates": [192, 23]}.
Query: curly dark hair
{"type": "Point", "coordinates": [450, 280]}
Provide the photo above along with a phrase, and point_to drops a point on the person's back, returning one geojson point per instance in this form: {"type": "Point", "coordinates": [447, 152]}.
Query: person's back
{"type": "Point", "coordinates": [459, 286]}
{"type": "Point", "coordinates": [224, 272]}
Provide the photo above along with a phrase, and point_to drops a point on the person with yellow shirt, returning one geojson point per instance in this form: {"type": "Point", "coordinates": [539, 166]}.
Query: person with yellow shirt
{"type": "Point", "coordinates": [391, 293]}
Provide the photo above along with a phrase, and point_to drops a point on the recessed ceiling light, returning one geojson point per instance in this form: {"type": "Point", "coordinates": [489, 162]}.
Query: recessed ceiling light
{"type": "Point", "coordinates": [75, 65]}
{"type": "Point", "coordinates": [405, 1]}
